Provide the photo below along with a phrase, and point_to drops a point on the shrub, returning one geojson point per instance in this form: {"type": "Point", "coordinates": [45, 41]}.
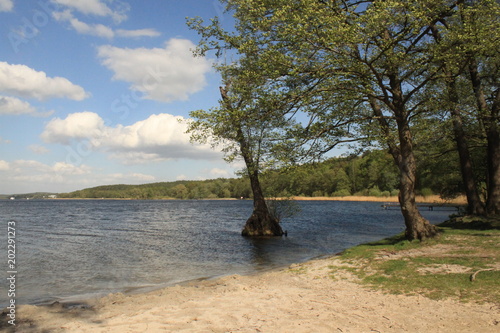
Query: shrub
{"type": "Point", "coordinates": [374, 192]}
{"type": "Point", "coordinates": [341, 193]}
{"type": "Point", "coordinates": [425, 192]}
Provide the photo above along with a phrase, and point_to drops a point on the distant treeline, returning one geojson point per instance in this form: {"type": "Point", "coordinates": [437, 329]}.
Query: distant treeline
{"type": "Point", "coordinates": [36, 195]}
{"type": "Point", "coordinates": [372, 174]}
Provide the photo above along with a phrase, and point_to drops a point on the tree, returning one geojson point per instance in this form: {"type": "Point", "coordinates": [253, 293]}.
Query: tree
{"type": "Point", "coordinates": [245, 127]}
{"type": "Point", "coordinates": [468, 40]}
{"type": "Point", "coordinates": [482, 22]}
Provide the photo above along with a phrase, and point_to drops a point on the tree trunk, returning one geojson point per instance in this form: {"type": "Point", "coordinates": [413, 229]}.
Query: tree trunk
{"type": "Point", "coordinates": [474, 204]}
{"type": "Point", "coordinates": [261, 223]}
{"type": "Point", "coordinates": [490, 121]}
{"type": "Point", "coordinates": [493, 201]}
{"type": "Point", "coordinates": [417, 227]}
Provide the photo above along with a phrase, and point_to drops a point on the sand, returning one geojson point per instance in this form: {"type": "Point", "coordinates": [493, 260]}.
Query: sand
{"type": "Point", "coordinates": [435, 199]}
{"type": "Point", "coordinates": [300, 298]}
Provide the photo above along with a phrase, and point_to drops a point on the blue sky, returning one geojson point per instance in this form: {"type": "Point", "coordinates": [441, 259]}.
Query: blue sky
{"type": "Point", "coordinates": [94, 92]}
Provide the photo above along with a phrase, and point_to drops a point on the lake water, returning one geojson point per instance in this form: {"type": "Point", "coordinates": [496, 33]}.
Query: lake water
{"type": "Point", "coordinates": [75, 249]}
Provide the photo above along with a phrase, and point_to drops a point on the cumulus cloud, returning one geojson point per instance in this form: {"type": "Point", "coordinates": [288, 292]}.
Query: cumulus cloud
{"type": "Point", "coordinates": [14, 106]}
{"type": "Point", "coordinates": [79, 125]}
{"type": "Point", "coordinates": [6, 5]}
{"type": "Point", "coordinates": [157, 138]}
{"type": "Point", "coordinates": [25, 82]}
{"type": "Point", "coordinates": [97, 8]}
{"type": "Point", "coordinates": [162, 74]}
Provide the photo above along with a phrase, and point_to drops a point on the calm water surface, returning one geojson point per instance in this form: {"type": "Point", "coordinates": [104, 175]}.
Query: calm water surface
{"type": "Point", "coordinates": [74, 249]}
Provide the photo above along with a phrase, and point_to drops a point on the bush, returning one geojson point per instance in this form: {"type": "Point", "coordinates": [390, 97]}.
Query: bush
{"type": "Point", "coordinates": [283, 208]}
{"type": "Point", "coordinates": [341, 193]}
{"type": "Point", "coordinates": [425, 192]}
{"type": "Point", "coordinates": [374, 192]}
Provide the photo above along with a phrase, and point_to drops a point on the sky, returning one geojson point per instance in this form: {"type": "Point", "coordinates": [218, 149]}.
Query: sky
{"type": "Point", "coordinates": [97, 92]}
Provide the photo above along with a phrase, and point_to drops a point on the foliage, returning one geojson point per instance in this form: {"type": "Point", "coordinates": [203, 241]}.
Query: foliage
{"type": "Point", "coordinates": [339, 176]}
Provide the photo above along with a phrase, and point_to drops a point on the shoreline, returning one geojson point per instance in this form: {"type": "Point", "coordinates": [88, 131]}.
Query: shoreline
{"type": "Point", "coordinates": [434, 199]}
{"type": "Point", "coordinates": [303, 297]}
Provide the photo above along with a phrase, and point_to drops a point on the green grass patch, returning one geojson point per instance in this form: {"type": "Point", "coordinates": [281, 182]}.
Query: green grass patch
{"type": "Point", "coordinates": [438, 268]}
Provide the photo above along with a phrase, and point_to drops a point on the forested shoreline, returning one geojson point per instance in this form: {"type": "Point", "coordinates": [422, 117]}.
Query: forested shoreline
{"type": "Point", "coordinates": [370, 174]}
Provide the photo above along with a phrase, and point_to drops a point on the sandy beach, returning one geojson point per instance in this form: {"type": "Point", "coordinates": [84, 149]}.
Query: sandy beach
{"type": "Point", "coordinates": [300, 298]}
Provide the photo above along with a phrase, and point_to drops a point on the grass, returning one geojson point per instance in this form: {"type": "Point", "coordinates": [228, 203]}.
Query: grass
{"type": "Point", "coordinates": [438, 268]}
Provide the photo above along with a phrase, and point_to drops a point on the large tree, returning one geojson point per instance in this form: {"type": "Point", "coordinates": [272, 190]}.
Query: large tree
{"type": "Point", "coordinates": [481, 24]}
{"type": "Point", "coordinates": [243, 126]}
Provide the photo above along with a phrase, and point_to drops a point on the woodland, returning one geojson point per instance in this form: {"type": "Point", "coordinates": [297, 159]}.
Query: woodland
{"type": "Point", "coordinates": [372, 173]}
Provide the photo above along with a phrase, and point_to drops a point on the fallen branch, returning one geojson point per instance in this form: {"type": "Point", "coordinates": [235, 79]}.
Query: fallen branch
{"type": "Point", "coordinates": [473, 276]}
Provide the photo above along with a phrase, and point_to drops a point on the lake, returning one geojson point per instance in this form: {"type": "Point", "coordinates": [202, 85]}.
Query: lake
{"type": "Point", "coordinates": [75, 249]}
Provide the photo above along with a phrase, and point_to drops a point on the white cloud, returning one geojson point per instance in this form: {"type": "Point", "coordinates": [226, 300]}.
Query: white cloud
{"type": "Point", "coordinates": [34, 171]}
{"type": "Point", "coordinates": [70, 169]}
{"type": "Point", "coordinates": [101, 30]}
{"type": "Point", "coordinates": [163, 74]}
{"type": "Point", "coordinates": [98, 30]}
{"type": "Point", "coordinates": [130, 177]}
{"type": "Point", "coordinates": [76, 126]}
{"type": "Point", "coordinates": [97, 7]}
{"type": "Point", "coordinates": [219, 173]}
{"type": "Point", "coordinates": [137, 33]}
{"type": "Point", "coordinates": [6, 5]}
{"type": "Point", "coordinates": [14, 106]}
{"type": "Point", "coordinates": [38, 149]}
{"type": "Point", "coordinates": [22, 81]}
{"type": "Point", "coordinates": [135, 157]}
{"type": "Point", "coordinates": [157, 138]}
{"type": "Point", "coordinates": [4, 166]}
{"type": "Point", "coordinates": [30, 176]}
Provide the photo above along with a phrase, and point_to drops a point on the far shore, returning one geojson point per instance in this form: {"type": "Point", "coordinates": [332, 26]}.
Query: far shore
{"type": "Point", "coordinates": [435, 199]}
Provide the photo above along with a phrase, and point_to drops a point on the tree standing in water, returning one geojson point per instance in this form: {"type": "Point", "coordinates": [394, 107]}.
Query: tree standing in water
{"type": "Point", "coordinates": [244, 126]}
